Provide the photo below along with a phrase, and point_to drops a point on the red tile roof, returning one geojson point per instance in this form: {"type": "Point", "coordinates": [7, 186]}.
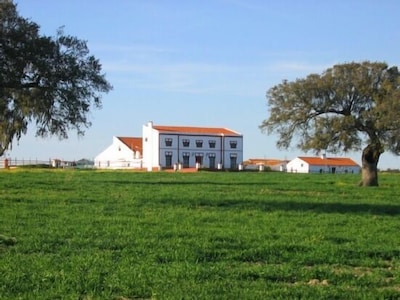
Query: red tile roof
{"type": "Point", "coordinates": [134, 143]}
{"type": "Point", "coordinates": [196, 130]}
{"type": "Point", "coordinates": [264, 161]}
{"type": "Point", "coordinates": [331, 161]}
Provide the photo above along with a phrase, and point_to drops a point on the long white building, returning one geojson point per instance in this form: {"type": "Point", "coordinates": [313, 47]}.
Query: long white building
{"type": "Point", "coordinates": [169, 147]}
{"type": "Point", "coordinates": [323, 164]}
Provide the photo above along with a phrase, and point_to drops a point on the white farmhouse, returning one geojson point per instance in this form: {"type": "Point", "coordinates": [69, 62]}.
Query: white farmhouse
{"type": "Point", "coordinates": [124, 152]}
{"type": "Point", "coordinates": [175, 147]}
{"type": "Point", "coordinates": [323, 164]}
{"type": "Point", "coordinates": [187, 147]}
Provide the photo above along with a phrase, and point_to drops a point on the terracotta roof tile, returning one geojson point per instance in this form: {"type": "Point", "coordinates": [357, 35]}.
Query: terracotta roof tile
{"type": "Point", "coordinates": [264, 161]}
{"type": "Point", "coordinates": [197, 130]}
{"type": "Point", "coordinates": [331, 161]}
{"type": "Point", "coordinates": [134, 143]}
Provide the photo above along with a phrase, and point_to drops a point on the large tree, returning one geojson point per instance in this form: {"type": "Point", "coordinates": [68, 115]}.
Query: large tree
{"type": "Point", "coordinates": [349, 107]}
{"type": "Point", "coordinates": [52, 82]}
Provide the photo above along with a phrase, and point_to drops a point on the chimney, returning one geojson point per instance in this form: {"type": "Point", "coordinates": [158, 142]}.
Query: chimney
{"type": "Point", "coordinates": [323, 156]}
{"type": "Point", "coordinates": [150, 124]}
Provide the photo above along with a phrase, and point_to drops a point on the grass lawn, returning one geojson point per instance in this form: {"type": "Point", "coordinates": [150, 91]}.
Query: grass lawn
{"type": "Point", "coordinates": [68, 234]}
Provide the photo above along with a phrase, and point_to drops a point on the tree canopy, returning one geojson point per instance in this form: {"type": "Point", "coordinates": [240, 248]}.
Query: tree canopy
{"type": "Point", "coordinates": [346, 108]}
{"type": "Point", "coordinates": [52, 82]}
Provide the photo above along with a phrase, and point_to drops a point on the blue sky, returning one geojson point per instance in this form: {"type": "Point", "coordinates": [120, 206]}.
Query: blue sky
{"type": "Point", "coordinates": [207, 63]}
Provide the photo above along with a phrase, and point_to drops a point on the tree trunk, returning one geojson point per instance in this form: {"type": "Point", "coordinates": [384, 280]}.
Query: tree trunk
{"type": "Point", "coordinates": [370, 159]}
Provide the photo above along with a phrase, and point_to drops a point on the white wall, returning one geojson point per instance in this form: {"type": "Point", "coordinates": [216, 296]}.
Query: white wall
{"type": "Point", "coordinates": [117, 156]}
{"type": "Point", "coordinates": [150, 138]}
{"type": "Point", "coordinates": [337, 169]}
{"type": "Point", "coordinates": [297, 166]}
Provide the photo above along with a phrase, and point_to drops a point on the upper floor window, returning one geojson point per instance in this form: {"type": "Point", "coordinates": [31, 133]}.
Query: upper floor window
{"type": "Point", "coordinates": [233, 144]}
{"type": "Point", "coordinates": [185, 142]}
{"type": "Point", "coordinates": [211, 143]}
{"type": "Point", "coordinates": [168, 142]}
{"type": "Point", "coordinates": [199, 143]}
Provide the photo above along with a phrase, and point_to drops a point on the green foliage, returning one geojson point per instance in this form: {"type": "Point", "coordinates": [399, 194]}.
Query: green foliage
{"type": "Point", "coordinates": [206, 235]}
{"type": "Point", "coordinates": [50, 81]}
{"type": "Point", "coordinates": [339, 110]}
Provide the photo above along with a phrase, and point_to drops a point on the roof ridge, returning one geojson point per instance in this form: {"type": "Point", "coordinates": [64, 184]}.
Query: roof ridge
{"type": "Point", "coordinates": [197, 129]}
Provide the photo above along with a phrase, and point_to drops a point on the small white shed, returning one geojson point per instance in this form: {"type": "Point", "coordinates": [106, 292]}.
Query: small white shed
{"type": "Point", "coordinates": [124, 152]}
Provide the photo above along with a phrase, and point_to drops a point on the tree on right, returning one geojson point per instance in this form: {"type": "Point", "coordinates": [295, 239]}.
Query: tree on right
{"type": "Point", "coordinates": [349, 107]}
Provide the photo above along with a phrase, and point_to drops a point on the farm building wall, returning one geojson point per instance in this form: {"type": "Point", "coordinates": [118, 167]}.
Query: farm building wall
{"type": "Point", "coordinates": [297, 166]}
{"type": "Point", "coordinates": [118, 156]}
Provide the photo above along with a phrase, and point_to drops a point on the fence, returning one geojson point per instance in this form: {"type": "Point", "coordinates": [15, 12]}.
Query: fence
{"type": "Point", "coordinates": [55, 163]}
{"type": "Point", "coordinates": [14, 162]}
{"type": "Point", "coordinates": [119, 164]}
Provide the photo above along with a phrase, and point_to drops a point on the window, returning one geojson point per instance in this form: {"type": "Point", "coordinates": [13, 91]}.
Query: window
{"type": "Point", "coordinates": [233, 144]}
{"type": "Point", "coordinates": [185, 142]}
{"type": "Point", "coordinates": [211, 143]}
{"type": "Point", "coordinates": [168, 142]}
{"type": "Point", "coordinates": [211, 158]}
{"type": "Point", "coordinates": [186, 159]}
{"type": "Point", "coordinates": [199, 143]}
{"type": "Point", "coordinates": [168, 159]}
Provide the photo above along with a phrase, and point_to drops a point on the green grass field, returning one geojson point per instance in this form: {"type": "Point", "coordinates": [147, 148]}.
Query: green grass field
{"type": "Point", "coordinates": [68, 234]}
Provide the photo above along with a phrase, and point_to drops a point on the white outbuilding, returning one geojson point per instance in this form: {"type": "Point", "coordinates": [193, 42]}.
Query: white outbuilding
{"type": "Point", "coordinates": [322, 164]}
{"type": "Point", "coordinates": [124, 152]}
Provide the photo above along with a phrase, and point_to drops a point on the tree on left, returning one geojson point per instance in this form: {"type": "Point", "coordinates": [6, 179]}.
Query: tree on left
{"type": "Point", "coordinates": [51, 82]}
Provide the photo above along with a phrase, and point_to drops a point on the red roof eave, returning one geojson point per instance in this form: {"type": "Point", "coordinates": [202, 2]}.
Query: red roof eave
{"type": "Point", "coordinates": [329, 161]}
{"type": "Point", "coordinates": [196, 130]}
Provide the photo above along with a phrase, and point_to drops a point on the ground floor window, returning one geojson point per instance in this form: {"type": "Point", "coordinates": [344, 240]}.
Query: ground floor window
{"type": "Point", "coordinates": [233, 161]}
{"type": "Point", "coordinates": [168, 159]}
{"type": "Point", "coordinates": [211, 158]}
{"type": "Point", "coordinates": [186, 159]}
{"type": "Point", "coordinates": [199, 158]}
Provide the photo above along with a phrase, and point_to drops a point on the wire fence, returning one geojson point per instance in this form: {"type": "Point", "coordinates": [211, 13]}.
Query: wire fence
{"type": "Point", "coordinates": [6, 163]}
{"type": "Point", "coordinates": [14, 162]}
